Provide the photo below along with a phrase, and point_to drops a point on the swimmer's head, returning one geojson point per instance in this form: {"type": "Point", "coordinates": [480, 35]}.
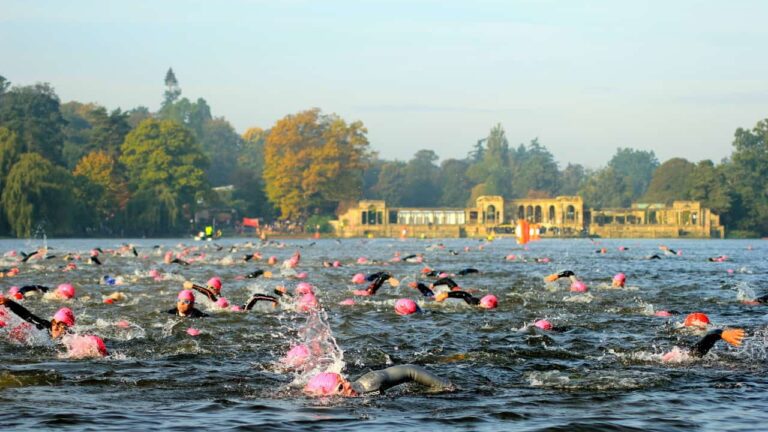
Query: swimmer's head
{"type": "Point", "coordinates": [99, 343]}
{"type": "Point", "coordinates": [215, 284]}
{"type": "Point", "coordinates": [307, 302]}
{"type": "Point", "coordinates": [543, 324]}
{"type": "Point", "coordinates": [222, 303]}
{"type": "Point", "coordinates": [65, 291]}
{"type": "Point", "coordinates": [619, 280]}
{"type": "Point", "coordinates": [489, 302]}
{"type": "Point", "coordinates": [304, 288]}
{"type": "Point", "coordinates": [406, 306]}
{"type": "Point", "coordinates": [358, 278]}
{"type": "Point", "coordinates": [185, 301]}
{"type": "Point", "coordinates": [578, 286]}
{"type": "Point", "coordinates": [62, 320]}
{"type": "Point", "coordinates": [696, 319]}
{"type": "Point", "coordinates": [328, 384]}
{"type": "Point", "coordinates": [15, 293]}
{"type": "Point", "coordinates": [297, 356]}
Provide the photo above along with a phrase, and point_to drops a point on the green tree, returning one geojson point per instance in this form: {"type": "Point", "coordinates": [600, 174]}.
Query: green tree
{"type": "Point", "coordinates": [456, 186]}
{"type": "Point", "coordinates": [32, 112]}
{"type": "Point", "coordinates": [604, 188]}
{"type": "Point", "coordinates": [4, 84]}
{"type": "Point", "coordinates": [709, 185]}
{"type": "Point", "coordinates": [534, 171]}
{"type": "Point", "coordinates": [390, 186]}
{"type": "Point", "coordinates": [747, 174]}
{"type": "Point", "coordinates": [421, 185]}
{"type": "Point", "coordinates": [222, 145]}
{"type": "Point", "coordinates": [493, 170]}
{"type": "Point", "coordinates": [166, 170]}
{"type": "Point", "coordinates": [671, 181]}
{"type": "Point", "coordinates": [172, 89]}
{"type": "Point", "coordinates": [635, 168]}
{"type": "Point", "coordinates": [248, 180]}
{"type": "Point", "coordinates": [38, 193]}
{"type": "Point", "coordinates": [572, 179]}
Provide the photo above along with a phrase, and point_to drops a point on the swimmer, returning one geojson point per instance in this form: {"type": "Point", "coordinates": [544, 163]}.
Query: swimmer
{"type": "Point", "coordinates": [653, 257]}
{"type": "Point", "coordinates": [27, 290]}
{"type": "Point", "coordinates": [619, 280]}
{"type": "Point", "coordinates": [576, 284]}
{"type": "Point", "coordinates": [257, 297]}
{"type": "Point", "coordinates": [379, 280]}
{"type": "Point", "coordinates": [760, 300]}
{"type": "Point", "coordinates": [488, 302]}
{"type": "Point", "coordinates": [257, 273]}
{"type": "Point", "coordinates": [721, 258]}
{"type": "Point", "coordinates": [212, 290]}
{"type": "Point", "coordinates": [57, 327]}
{"type": "Point", "coordinates": [185, 306]}
{"type": "Point", "coordinates": [445, 281]}
{"type": "Point", "coordinates": [467, 271]}
{"type": "Point", "coordinates": [668, 251]}
{"type": "Point", "coordinates": [329, 384]}
{"type": "Point", "coordinates": [423, 289]}
{"type": "Point", "coordinates": [732, 336]}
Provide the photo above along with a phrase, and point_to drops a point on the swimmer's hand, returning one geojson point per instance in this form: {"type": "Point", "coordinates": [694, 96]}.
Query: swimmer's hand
{"type": "Point", "coordinates": [551, 278]}
{"type": "Point", "coordinates": [188, 285]}
{"type": "Point", "coordinates": [733, 336]}
{"type": "Point", "coordinates": [2, 299]}
{"type": "Point", "coordinates": [441, 296]}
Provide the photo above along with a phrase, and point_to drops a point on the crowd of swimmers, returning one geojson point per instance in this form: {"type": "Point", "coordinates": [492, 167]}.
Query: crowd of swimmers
{"type": "Point", "coordinates": [431, 286]}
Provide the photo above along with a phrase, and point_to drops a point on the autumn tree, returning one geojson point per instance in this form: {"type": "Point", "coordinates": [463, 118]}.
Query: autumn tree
{"type": "Point", "coordinates": [312, 162]}
{"type": "Point", "coordinates": [100, 187]}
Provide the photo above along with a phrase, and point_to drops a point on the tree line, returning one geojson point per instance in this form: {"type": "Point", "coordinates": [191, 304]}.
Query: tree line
{"type": "Point", "coordinates": [78, 169]}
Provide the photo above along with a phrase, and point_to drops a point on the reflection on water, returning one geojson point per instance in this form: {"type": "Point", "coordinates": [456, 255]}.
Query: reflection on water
{"type": "Point", "coordinates": [601, 370]}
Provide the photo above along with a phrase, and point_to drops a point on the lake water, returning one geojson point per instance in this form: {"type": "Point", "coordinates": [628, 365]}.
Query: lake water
{"type": "Point", "coordinates": [602, 372]}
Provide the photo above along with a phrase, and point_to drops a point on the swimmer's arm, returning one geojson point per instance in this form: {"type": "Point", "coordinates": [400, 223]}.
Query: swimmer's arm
{"type": "Point", "coordinates": [26, 315]}
{"type": "Point", "coordinates": [446, 281]}
{"type": "Point", "coordinates": [27, 288]}
{"type": "Point", "coordinates": [203, 290]}
{"type": "Point", "coordinates": [424, 290]}
{"type": "Point", "coordinates": [702, 347]}
{"type": "Point", "coordinates": [467, 297]}
{"type": "Point", "coordinates": [259, 297]}
{"type": "Point", "coordinates": [396, 375]}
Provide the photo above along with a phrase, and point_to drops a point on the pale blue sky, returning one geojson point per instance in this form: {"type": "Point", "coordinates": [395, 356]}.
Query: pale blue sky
{"type": "Point", "coordinates": [676, 77]}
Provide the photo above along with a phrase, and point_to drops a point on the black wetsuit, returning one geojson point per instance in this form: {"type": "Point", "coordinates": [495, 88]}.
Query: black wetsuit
{"type": "Point", "coordinates": [248, 257]}
{"type": "Point", "coordinates": [424, 290]}
{"type": "Point", "coordinates": [208, 292]}
{"type": "Point", "coordinates": [180, 262]}
{"type": "Point", "coordinates": [254, 274]}
{"type": "Point", "coordinates": [565, 273]}
{"type": "Point", "coordinates": [702, 347]}
{"type": "Point", "coordinates": [28, 316]}
{"type": "Point", "coordinates": [257, 298]}
{"type": "Point", "coordinates": [433, 273]}
{"type": "Point", "coordinates": [95, 260]}
{"type": "Point", "coordinates": [373, 276]}
{"type": "Point", "coordinates": [36, 288]}
{"type": "Point", "coordinates": [193, 313]}
{"type": "Point", "coordinates": [383, 379]}
{"type": "Point", "coordinates": [445, 281]}
{"type": "Point", "coordinates": [467, 271]}
{"type": "Point", "coordinates": [378, 282]}
{"type": "Point", "coordinates": [467, 297]}
{"type": "Point", "coordinates": [26, 257]}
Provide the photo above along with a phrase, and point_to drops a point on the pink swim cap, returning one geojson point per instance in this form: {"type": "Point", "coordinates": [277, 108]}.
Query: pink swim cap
{"type": "Point", "coordinates": [154, 273]}
{"type": "Point", "coordinates": [347, 302]}
{"type": "Point", "coordinates": [307, 302]}
{"type": "Point", "coordinates": [13, 290]}
{"type": "Point", "coordinates": [337, 263]}
{"type": "Point", "coordinates": [579, 286]}
{"type": "Point", "coordinates": [362, 260]}
{"type": "Point", "coordinates": [186, 295]}
{"type": "Point", "coordinates": [272, 260]}
{"type": "Point", "coordinates": [94, 253]}
{"type": "Point", "coordinates": [543, 324]}
{"type": "Point", "coordinates": [66, 290]}
{"type": "Point", "coordinates": [66, 316]}
{"type": "Point", "coordinates": [214, 283]}
{"type": "Point", "coordinates": [406, 306]}
{"type": "Point", "coordinates": [510, 257]}
{"type": "Point", "coordinates": [662, 313]}
{"type": "Point", "coordinates": [304, 288]}
{"type": "Point", "coordinates": [222, 302]}
{"type": "Point", "coordinates": [324, 384]}
{"type": "Point", "coordinates": [236, 308]}
{"type": "Point", "coordinates": [358, 278]}
{"type": "Point", "coordinates": [99, 343]}
{"type": "Point", "coordinates": [620, 277]}
{"type": "Point", "coordinates": [296, 356]}
{"type": "Point", "coordinates": [302, 275]}
{"type": "Point", "coordinates": [489, 302]}
{"type": "Point", "coordinates": [193, 332]}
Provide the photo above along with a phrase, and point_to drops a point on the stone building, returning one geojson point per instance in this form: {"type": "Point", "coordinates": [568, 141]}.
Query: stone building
{"type": "Point", "coordinates": [562, 216]}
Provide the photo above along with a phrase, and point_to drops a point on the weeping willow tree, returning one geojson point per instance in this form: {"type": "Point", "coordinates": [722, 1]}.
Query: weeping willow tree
{"type": "Point", "coordinates": [38, 193]}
